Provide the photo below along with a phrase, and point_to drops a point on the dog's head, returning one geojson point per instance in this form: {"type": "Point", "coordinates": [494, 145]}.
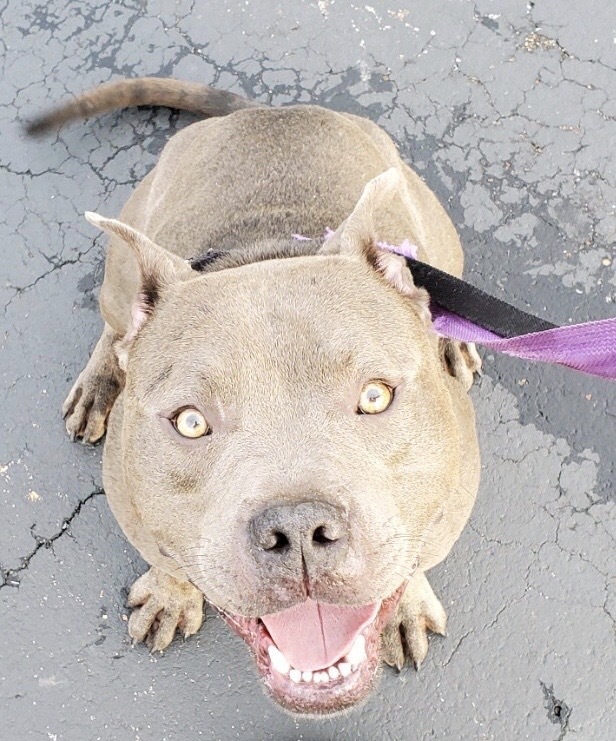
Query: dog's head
{"type": "Point", "coordinates": [292, 441]}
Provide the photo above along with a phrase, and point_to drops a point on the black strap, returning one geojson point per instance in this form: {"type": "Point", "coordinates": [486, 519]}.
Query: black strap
{"type": "Point", "coordinates": [481, 308]}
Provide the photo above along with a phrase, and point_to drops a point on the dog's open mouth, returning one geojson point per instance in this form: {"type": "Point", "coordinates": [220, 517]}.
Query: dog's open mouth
{"type": "Point", "coordinates": [317, 658]}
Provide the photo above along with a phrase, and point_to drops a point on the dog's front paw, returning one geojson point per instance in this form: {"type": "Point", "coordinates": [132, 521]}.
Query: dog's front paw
{"type": "Point", "coordinates": [88, 405]}
{"type": "Point", "coordinates": [461, 360]}
{"type": "Point", "coordinates": [90, 400]}
{"type": "Point", "coordinates": [161, 605]}
{"type": "Point", "coordinates": [406, 635]}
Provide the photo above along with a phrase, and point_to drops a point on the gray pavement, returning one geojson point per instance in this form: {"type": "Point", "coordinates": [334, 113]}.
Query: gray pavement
{"type": "Point", "coordinates": [508, 110]}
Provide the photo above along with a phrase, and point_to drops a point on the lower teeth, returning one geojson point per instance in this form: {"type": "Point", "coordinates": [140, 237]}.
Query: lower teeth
{"type": "Point", "coordinates": [350, 663]}
{"type": "Point", "coordinates": [295, 675]}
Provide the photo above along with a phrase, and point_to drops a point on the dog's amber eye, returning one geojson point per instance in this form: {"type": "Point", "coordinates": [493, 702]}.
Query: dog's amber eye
{"type": "Point", "coordinates": [191, 423]}
{"type": "Point", "coordinates": [375, 397]}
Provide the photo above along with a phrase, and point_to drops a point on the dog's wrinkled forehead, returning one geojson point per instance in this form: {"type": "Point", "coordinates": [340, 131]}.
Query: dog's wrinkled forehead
{"type": "Point", "coordinates": [308, 321]}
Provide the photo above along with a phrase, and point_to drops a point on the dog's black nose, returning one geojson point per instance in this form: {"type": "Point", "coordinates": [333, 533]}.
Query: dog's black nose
{"type": "Point", "coordinates": [316, 532]}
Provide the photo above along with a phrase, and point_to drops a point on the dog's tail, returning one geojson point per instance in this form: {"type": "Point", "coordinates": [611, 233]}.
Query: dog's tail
{"type": "Point", "coordinates": [203, 100]}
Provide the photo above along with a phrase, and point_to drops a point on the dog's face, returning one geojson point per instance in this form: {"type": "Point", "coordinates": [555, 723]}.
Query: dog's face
{"type": "Point", "coordinates": [290, 440]}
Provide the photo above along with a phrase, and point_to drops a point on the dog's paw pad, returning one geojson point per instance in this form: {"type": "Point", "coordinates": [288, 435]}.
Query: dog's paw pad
{"type": "Point", "coordinates": [161, 606]}
{"type": "Point", "coordinates": [406, 635]}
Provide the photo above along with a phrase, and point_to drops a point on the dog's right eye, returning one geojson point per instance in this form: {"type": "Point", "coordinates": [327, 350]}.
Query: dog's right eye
{"type": "Point", "coordinates": [191, 423]}
{"type": "Point", "coordinates": [375, 398]}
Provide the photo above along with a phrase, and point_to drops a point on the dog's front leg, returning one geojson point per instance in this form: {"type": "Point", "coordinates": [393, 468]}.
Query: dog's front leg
{"type": "Point", "coordinates": [406, 635]}
{"type": "Point", "coordinates": [90, 400]}
{"type": "Point", "coordinates": [161, 605]}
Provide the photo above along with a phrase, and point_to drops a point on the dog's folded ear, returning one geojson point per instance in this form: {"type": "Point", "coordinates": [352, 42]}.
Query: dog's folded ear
{"type": "Point", "coordinates": [157, 269]}
{"type": "Point", "coordinates": [357, 236]}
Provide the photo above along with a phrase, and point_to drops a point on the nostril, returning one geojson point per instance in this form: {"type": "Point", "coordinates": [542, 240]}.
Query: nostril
{"type": "Point", "coordinates": [324, 535]}
{"type": "Point", "coordinates": [277, 541]}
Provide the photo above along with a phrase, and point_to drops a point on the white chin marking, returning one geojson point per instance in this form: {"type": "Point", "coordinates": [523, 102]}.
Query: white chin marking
{"type": "Point", "coordinates": [328, 675]}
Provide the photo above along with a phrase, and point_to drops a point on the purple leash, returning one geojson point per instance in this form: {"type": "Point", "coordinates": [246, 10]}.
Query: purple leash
{"type": "Point", "coordinates": [589, 347]}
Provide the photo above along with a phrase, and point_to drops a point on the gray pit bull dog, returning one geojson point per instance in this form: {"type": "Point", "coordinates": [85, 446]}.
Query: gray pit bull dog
{"type": "Point", "coordinates": [286, 435]}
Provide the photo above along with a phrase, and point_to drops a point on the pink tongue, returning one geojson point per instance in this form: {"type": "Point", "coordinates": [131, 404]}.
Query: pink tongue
{"type": "Point", "coordinates": [314, 635]}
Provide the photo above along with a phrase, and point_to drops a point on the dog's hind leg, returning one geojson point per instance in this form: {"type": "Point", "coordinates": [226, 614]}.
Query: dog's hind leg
{"type": "Point", "coordinates": [90, 400]}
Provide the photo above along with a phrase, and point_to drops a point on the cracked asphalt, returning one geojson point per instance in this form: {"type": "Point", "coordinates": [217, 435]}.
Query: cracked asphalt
{"type": "Point", "coordinates": [508, 110]}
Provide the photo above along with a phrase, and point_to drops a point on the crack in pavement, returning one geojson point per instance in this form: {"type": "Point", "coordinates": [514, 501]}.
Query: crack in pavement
{"type": "Point", "coordinates": [55, 266]}
{"type": "Point", "coordinates": [558, 711]}
{"type": "Point", "coordinates": [9, 575]}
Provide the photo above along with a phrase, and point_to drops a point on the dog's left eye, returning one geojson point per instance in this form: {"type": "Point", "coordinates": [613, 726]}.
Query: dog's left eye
{"type": "Point", "coordinates": [191, 423]}
{"type": "Point", "coordinates": [375, 397]}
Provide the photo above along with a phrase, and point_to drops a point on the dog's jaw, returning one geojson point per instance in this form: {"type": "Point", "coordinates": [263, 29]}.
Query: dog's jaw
{"type": "Point", "coordinates": [330, 689]}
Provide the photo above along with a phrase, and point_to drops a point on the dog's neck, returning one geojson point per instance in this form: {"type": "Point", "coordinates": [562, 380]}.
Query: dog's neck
{"type": "Point", "coordinates": [235, 255]}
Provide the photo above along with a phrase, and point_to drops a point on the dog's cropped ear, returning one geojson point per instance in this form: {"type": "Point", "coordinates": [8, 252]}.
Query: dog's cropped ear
{"type": "Point", "coordinates": [357, 236]}
{"type": "Point", "coordinates": [157, 269]}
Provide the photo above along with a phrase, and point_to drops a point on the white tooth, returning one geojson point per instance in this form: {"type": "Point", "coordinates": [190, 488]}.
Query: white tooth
{"type": "Point", "coordinates": [344, 668]}
{"type": "Point", "coordinates": [278, 660]}
{"type": "Point", "coordinates": [307, 676]}
{"type": "Point", "coordinates": [296, 675]}
{"type": "Point", "coordinates": [320, 677]}
{"type": "Point", "coordinates": [358, 651]}
{"type": "Point", "coordinates": [333, 672]}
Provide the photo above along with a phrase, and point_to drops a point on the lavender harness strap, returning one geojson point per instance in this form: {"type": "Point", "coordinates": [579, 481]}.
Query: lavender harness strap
{"type": "Point", "coordinates": [589, 347]}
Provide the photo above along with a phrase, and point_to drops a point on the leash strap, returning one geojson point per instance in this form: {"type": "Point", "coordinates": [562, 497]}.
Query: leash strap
{"type": "Point", "coordinates": [463, 312]}
{"type": "Point", "coordinates": [459, 297]}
